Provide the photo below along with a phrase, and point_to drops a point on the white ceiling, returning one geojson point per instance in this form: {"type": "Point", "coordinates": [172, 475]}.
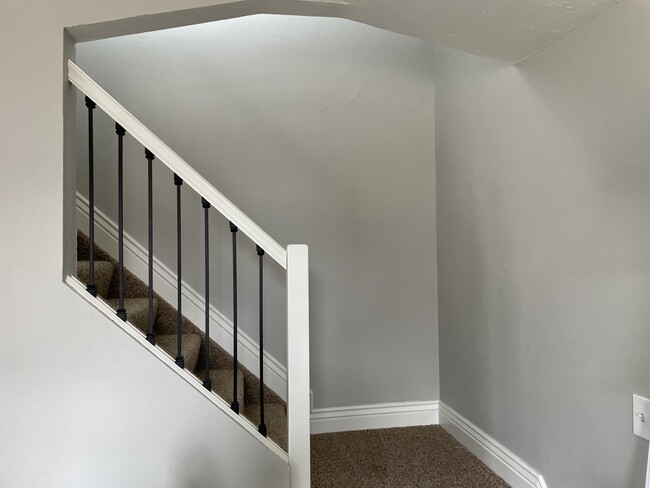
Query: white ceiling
{"type": "Point", "coordinates": [510, 30]}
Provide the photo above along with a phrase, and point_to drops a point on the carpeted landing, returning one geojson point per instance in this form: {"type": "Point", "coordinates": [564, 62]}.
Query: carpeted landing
{"type": "Point", "coordinates": [409, 457]}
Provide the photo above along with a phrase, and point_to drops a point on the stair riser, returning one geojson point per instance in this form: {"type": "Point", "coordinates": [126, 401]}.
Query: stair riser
{"type": "Point", "coordinates": [104, 271]}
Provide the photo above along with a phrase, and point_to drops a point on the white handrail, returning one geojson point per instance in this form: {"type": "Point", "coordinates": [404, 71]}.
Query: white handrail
{"type": "Point", "coordinates": [174, 162]}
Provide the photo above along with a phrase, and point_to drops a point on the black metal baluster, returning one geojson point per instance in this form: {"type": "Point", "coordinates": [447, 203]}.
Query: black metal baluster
{"type": "Point", "coordinates": [207, 383]}
{"type": "Point", "coordinates": [180, 360]}
{"type": "Point", "coordinates": [91, 288]}
{"type": "Point", "coordinates": [121, 311]}
{"type": "Point", "coordinates": [151, 337]}
{"type": "Point", "coordinates": [235, 403]}
{"type": "Point", "coordinates": [262, 426]}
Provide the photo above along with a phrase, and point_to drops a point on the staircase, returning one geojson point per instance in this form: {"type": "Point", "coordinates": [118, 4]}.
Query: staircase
{"type": "Point", "coordinates": [134, 306]}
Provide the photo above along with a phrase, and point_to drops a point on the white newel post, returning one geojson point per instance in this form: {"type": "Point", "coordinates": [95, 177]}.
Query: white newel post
{"type": "Point", "coordinates": [298, 404]}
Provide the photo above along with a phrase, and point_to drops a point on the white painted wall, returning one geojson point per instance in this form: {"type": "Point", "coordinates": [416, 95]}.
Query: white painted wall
{"type": "Point", "coordinates": [104, 412]}
{"type": "Point", "coordinates": [322, 131]}
{"type": "Point", "coordinates": [82, 404]}
{"type": "Point", "coordinates": [570, 142]}
{"type": "Point", "coordinates": [544, 264]}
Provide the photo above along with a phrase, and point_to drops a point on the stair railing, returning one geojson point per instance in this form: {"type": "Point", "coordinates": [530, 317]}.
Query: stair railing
{"type": "Point", "coordinates": [294, 259]}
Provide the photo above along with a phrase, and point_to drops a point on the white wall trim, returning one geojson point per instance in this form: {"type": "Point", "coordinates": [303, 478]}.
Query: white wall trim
{"type": "Point", "coordinates": [497, 457]}
{"type": "Point", "coordinates": [379, 416]}
{"type": "Point", "coordinates": [136, 261]}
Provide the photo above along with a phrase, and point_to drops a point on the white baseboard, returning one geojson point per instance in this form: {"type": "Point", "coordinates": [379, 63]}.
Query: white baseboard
{"type": "Point", "coordinates": [497, 457]}
{"type": "Point", "coordinates": [136, 261]}
{"type": "Point", "coordinates": [512, 469]}
{"type": "Point", "coordinates": [380, 416]}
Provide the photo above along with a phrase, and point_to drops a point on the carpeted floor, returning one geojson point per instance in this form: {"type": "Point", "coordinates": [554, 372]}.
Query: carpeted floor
{"type": "Point", "coordinates": [410, 457]}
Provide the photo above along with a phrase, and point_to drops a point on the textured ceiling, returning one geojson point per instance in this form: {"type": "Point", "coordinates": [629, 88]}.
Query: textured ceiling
{"type": "Point", "coordinates": [510, 30]}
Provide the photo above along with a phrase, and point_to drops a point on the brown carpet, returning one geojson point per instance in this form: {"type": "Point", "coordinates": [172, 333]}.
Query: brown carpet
{"type": "Point", "coordinates": [410, 457]}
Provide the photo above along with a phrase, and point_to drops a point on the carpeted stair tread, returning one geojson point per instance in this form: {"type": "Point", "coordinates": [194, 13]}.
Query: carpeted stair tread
{"type": "Point", "coordinates": [275, 418]}
{"type": "Point", "coordinates": [103, 275]}
{"type": "Point", "coordinates": [190, 347]}
{"type": "Point", "coordinates": [222, 385]}
{"type": "Point", "coordinates": [137, 310]}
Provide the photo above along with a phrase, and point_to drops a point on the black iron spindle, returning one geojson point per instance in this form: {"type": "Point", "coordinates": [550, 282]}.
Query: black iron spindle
{"type": "Point", "coordinates": [180, 360]}
{"type": "Point", "coordinates": [121, 311]}
{"type": "Point", "coordinates": [233, 231]}
{"type": "Point", "coordinates": [260, 253]}
{"type": "Point", "coordinates": [151, 337]}
{"type": "Point", "coordinates": [207, 383]}
{"type": "Point", "coordinates": [91, 288]}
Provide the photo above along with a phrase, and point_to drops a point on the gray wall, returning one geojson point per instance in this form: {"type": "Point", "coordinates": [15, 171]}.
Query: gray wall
{"type": "Point", "coordinates": [321, 130]}
{"type": "Point", "coordinates": [544, 264]}
{"type": "Point", "coordinates": [82, 404]}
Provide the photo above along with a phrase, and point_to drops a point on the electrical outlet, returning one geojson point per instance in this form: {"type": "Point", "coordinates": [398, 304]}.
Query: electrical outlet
{"type": "Point", "coordinates": [641, 416]}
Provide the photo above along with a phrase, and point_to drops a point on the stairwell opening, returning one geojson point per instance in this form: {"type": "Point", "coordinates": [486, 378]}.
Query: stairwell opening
{"type": "Point", "coordinates": [326, 154]}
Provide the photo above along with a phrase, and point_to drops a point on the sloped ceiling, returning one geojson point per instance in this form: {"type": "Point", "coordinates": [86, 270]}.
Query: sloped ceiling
{"type": "Point", "coordinates": [509, 30]}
